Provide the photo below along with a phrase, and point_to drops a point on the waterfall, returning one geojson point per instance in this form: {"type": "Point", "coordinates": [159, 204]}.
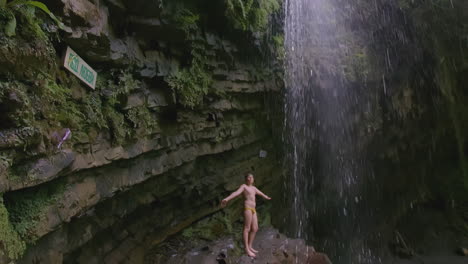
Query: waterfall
{"type": "Point", "coordinates": [325, 132]}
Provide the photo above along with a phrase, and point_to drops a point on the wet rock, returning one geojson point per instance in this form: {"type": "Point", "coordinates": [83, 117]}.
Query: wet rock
{"type": "Point", "coordinates": [158, 64]}
{"type": "Point", "coordinates": [42, 170]}
{"type": "Point", "coordinates": [125, 51]}
{"type": "Point", "coordinates": [156, 98]}
{"type": "Point", "coordinates": [144, 8]}
{"type": "Point", "coordinates": [152, 28]}
{"type": "Point", "coordinates": [222, 105]}
{"type": "Point", "coordinates": [81, 12]}
{"type": "Point", "coordinates": [135, 100]}
{"type": "Point", "coordinates": [239, 76]}
{"type": "Point", "coordinates": [91, 36]}
{"type": "Point", "coordinates": [318, 258]}
{"type": "Point", "coordinates": [273, 247]}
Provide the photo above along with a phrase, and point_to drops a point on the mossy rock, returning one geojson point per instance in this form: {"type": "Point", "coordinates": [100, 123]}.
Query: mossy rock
{"type": "Point", "coordinates": [28, 52]}
{"type": "Point", "coordinates": [10, 242]}
{"type": "Point", "coordinates": [28, 209]}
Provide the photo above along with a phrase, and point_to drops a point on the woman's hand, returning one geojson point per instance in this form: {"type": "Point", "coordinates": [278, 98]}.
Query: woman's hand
{"type": "Point", "coordinates": [224, 202]}
{"type": "Point", "coordinates": [268, 197]}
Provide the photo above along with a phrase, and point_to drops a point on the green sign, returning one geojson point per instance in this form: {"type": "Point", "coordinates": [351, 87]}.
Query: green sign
{"type": "Point", "coordinates": [80, 68]}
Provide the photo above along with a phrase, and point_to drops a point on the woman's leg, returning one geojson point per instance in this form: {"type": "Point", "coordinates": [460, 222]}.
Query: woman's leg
{"type": "Point", "coordinates": [253, 231]}
{"type": "Point", "coordinates": [247, 226]}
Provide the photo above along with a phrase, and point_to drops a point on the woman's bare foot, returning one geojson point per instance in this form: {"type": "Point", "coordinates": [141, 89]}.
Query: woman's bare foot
{"type": "Point", "coordinates": [250, 253]}
{"type": "Point", "coordinates": [253, 250]}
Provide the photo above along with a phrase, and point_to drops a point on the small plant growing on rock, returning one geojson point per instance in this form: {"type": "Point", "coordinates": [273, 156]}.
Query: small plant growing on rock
{"type": "Point", "coordinates": [190, 85]}
{"type": "Point", "coordinates": [186, 20]}
{"type": "Point", "coordinates": [251, 15]}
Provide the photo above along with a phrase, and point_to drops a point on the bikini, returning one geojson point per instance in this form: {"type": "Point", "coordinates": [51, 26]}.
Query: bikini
{"type": "Point", "coordinates": [250, 209]}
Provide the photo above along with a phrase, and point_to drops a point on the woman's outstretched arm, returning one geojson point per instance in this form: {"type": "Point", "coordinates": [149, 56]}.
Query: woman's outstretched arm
{"type": "Point", "coordinates": [257, 191]}
{"type": "Point", "coordinates": [232, 196]}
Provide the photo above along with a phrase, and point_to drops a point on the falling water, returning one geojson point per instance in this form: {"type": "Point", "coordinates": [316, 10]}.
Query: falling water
{"type": "Point", "coordinates": [323, 133]}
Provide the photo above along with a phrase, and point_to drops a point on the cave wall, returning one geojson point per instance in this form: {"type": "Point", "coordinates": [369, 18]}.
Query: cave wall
{"type": "Point", "coordinates": [424, 162]}
{"type": "Point", "coordinates": [416, 142]}
{"type": "Point", "coordinates": [180, 112]}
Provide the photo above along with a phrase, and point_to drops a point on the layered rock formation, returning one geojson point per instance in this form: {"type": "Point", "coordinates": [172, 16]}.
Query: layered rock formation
{"type": "Point", "coordinates": [179, 113]}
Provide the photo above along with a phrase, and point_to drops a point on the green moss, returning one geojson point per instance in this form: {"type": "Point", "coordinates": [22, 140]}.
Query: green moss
{"type": "Point", "coordinates": [6, 163]}
{"type": "Point", "coordinates": [93, 111]}
{"type": "Point", "coordinates": [27, 209]}
{"type": "Point", "coordinates": [61, 107]}
{"type": "Point", "coordinates": [10, 241]}
{"type": "Point", "coordinates": [23, 112]}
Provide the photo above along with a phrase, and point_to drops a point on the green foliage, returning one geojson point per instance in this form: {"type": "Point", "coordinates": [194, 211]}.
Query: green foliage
{"type": "Point", "coordinates": [114, 88]}
{"type": "Point", "coordinates": [188, 232]}
{"type": "Point", "coordinates": [116, 123]}
{"type": "Point", "coordinates": [61, 107]}
{"type": "Point", "coordinates": [10, 241]}
{"type": "Point", "coordinates": [35, 4]}
{"type": "Point", "coordinates": [251, 15]}
{"type": "Point", "coordinates": [227, 223]}
{"type": "Point", "coordinates": [186, 20]}
{"type": "Point", "coordinates": [278, 41]}
{"type": "Point", "coordinates": [140, 117]}
{"type": "Point", "coordinates": [93, 111]}
{"type": "Point", "coordinates": [5, 160]}
{"type": "Point", "coordinates": [190, 85]}
{"type": "Point", "coordinates": [28, 209]}
{"type": "Point", "coordinates": [10, 26]}
{"type": "Point", "coordinates": [122, 83]}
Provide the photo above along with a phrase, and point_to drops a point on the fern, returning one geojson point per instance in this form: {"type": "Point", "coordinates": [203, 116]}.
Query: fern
{"type": "Point", "coordinates": [11, 25]}
{"type": "Point", "coordinates": [251, 15]}
{"type": "Point", "coordinates": [39, 5]}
